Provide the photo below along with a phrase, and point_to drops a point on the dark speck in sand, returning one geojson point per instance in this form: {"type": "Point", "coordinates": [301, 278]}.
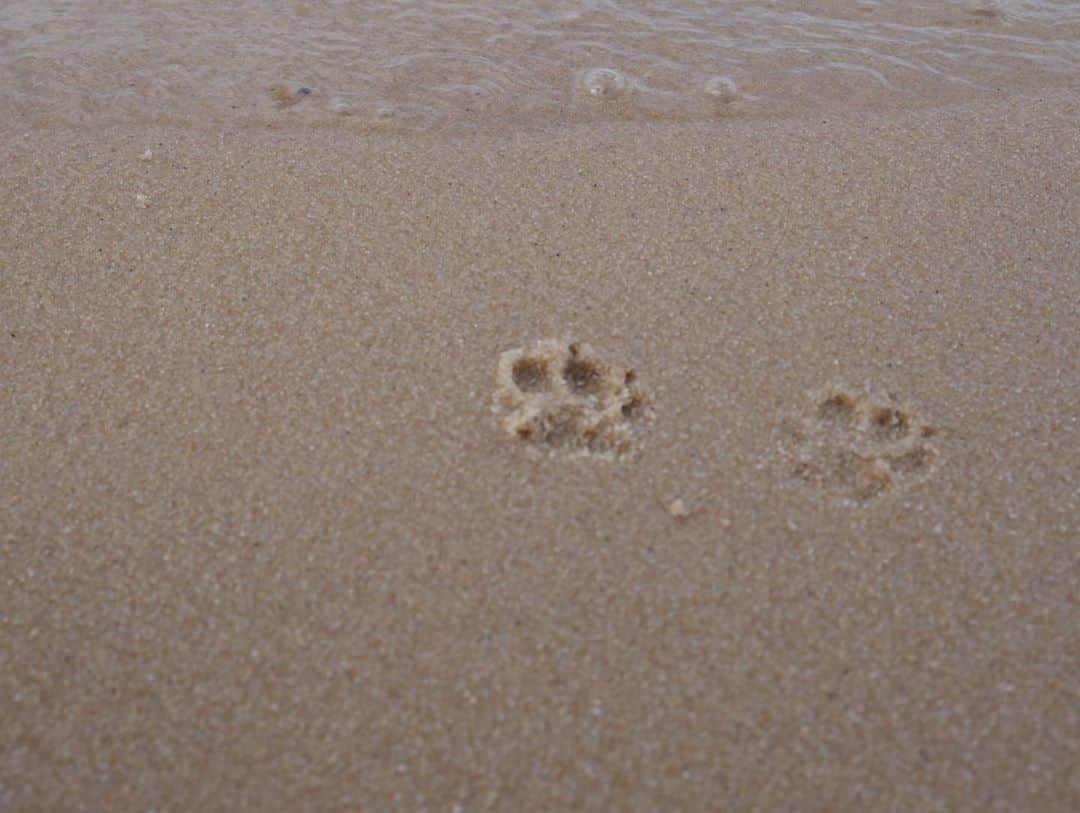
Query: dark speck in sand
{"type": "Point", "coordinates": [304, 92]}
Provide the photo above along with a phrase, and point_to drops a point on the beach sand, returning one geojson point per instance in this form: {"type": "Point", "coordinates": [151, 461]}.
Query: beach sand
{"type": "Point", "coordinates": [267, 544]}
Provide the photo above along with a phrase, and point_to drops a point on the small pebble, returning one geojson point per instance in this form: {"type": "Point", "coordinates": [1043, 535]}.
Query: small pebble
{"type": "Point", "coordinates": [678, 508]}
{"type": "Point", "coordinates": [284, 96]}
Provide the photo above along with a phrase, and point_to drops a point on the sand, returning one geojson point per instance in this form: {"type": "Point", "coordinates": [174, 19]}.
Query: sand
{"type": "Point", "coordinates": [266, 544]}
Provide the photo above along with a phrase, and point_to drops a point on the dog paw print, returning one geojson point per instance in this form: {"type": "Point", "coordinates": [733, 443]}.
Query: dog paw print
{"type": "Point", "coordinates": [857, 448]}
{"type": "Point", "coordinates": [561, 396]}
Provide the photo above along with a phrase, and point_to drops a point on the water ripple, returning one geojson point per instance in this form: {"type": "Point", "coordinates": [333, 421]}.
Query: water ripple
{"type": "Point", "coordinates": [437, 62]}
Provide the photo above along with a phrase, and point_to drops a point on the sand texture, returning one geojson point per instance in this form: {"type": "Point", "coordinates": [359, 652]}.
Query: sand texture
{"type": "Point", "coordinates": [267, 543]}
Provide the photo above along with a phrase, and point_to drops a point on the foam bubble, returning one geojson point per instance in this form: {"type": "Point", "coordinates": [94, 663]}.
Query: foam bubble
{"type": "Point", "coordinates": [605, 83]}
{"type": "Point", "coordinates": [722, 88]}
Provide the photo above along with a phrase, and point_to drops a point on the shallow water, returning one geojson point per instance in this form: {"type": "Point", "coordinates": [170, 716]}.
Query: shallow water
{"type": "Point", "coordinates": [433, 63]}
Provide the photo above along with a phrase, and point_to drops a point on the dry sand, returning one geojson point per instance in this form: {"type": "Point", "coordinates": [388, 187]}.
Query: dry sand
{"type": "Point", "coordinates": [265, 544]}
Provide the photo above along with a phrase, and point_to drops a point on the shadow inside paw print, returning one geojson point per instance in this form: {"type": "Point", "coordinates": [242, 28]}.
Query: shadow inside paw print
{"type": "Point", "coordinates": [858, 448]}
{"type": "Point", "coordinates": [561, 395]}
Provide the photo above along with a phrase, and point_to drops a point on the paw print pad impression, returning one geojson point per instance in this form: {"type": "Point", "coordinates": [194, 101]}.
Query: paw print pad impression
{"type": "Point", "coordinates": [858, 449]}
{"type": "Point", "coordinates": [561, 396]}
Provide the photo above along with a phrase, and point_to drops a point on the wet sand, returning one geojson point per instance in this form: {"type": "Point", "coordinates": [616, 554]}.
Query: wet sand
{"type": "Point", "coordinates": [266, 545]}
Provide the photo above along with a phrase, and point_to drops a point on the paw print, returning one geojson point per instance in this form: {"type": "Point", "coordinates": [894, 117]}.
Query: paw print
{"type": "Point", "coordinates": [858, 448]}
{"type": "Point", "coordinates": [562, 396]}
